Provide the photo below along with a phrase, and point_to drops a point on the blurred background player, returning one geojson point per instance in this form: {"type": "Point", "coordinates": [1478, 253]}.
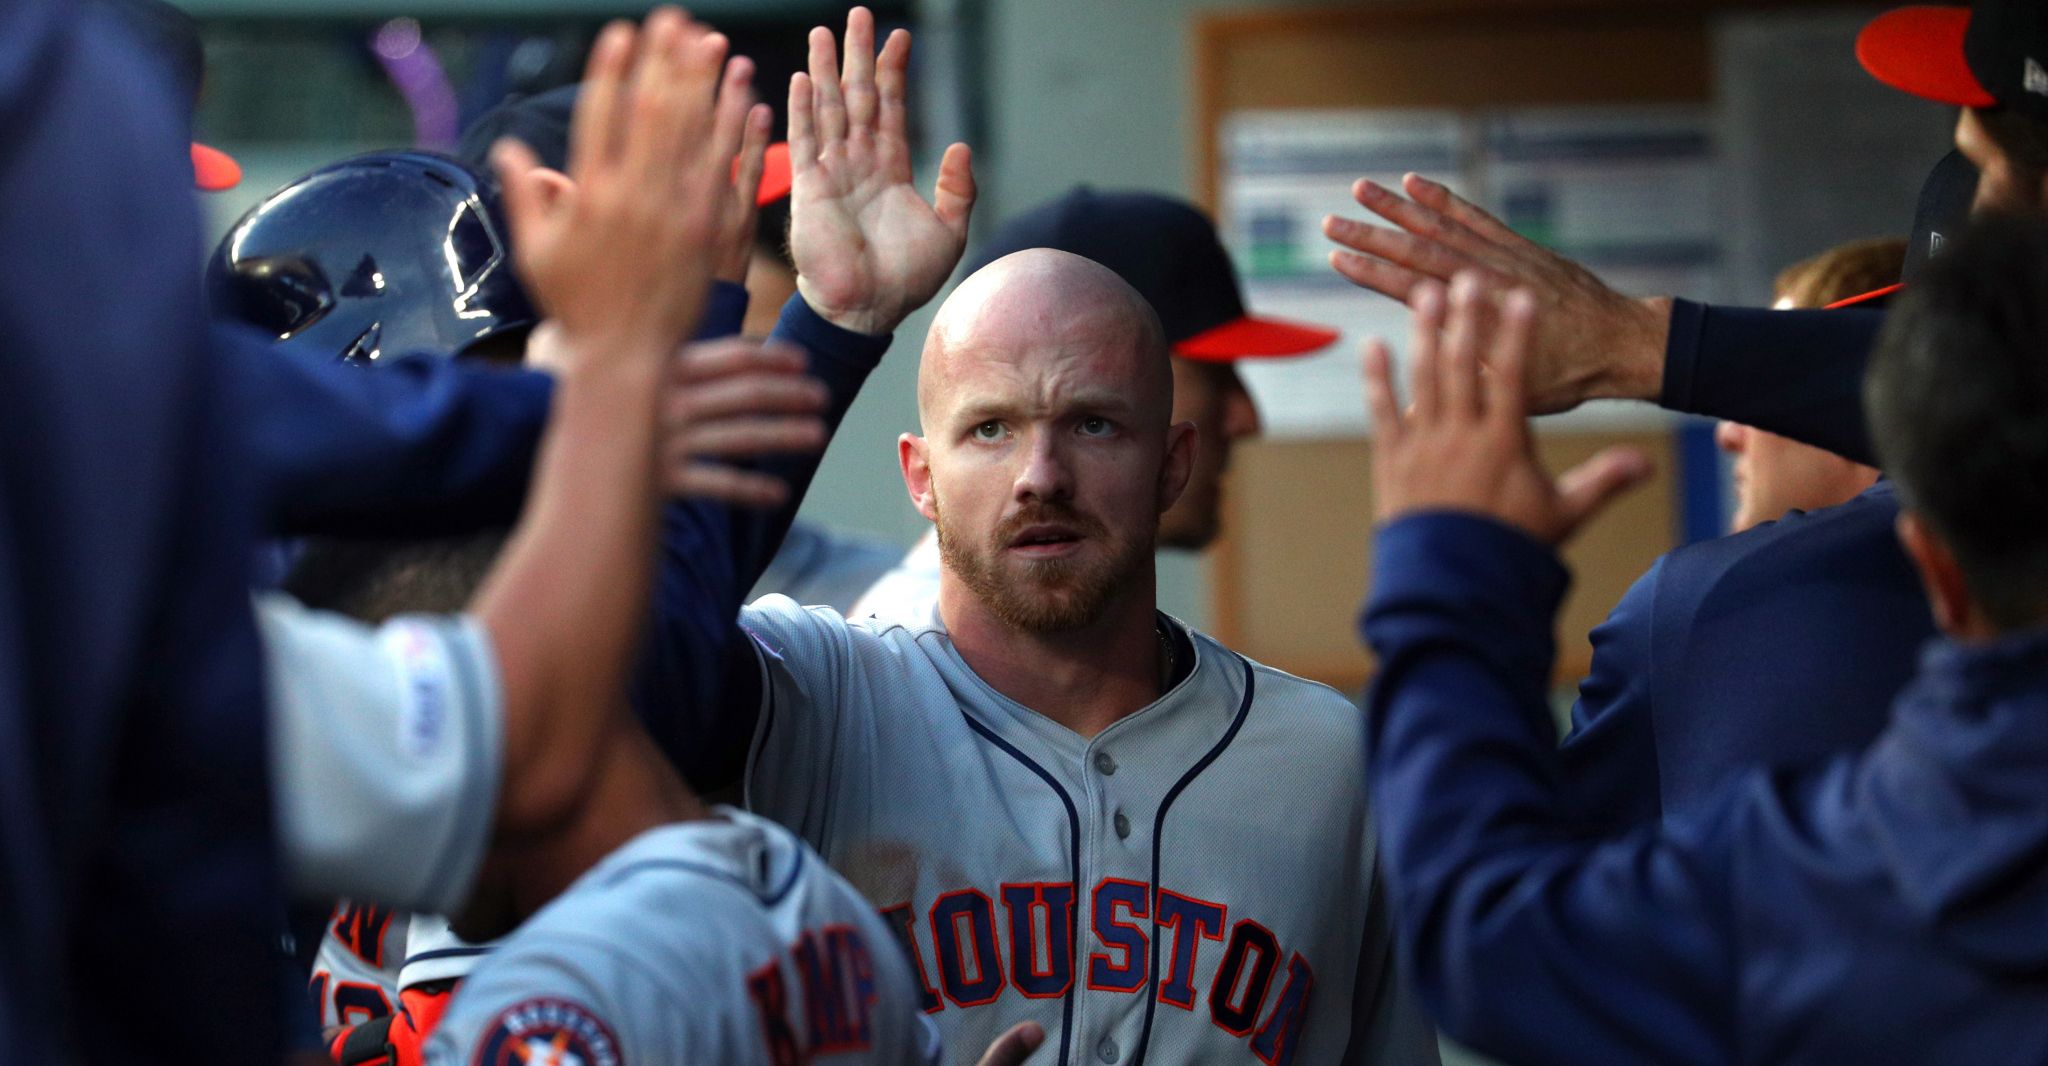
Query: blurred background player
{"type": "Point", "coordinates": [1169, 252]}
{"type": "Point", "coordinates": [1773, 474]}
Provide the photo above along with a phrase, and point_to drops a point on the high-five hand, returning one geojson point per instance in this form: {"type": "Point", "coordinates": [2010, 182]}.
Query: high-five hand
{"type": "Point", "coordinates": [1464, 444]}
{"type": "Point", "coordinates": [618, 252]}
{"type": "Point", "coordinates": [1592, 342]}
{"type": "Point", "coordinates": [869, 250]}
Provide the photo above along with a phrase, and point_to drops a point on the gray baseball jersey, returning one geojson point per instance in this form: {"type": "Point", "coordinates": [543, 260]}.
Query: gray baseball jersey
{"type": "Point", "coordinates": [385, 746]}
{"type": "Point", "coordinates": [725, 940]}
{"type": "Point", "coordinates": [1193, 884]}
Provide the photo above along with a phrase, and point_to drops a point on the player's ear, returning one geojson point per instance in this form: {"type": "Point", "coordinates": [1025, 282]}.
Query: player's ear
{"type": "Point", "coordinates": [914, 455]}
{"type": "Point", "coordinates": [1179, 465]}
{"type": "Point", "coordinates": [1948, 595]}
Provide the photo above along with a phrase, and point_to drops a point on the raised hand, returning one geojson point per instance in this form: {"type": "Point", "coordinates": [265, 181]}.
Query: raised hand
{"type": "Point", "coordinates": [1592, 343]}
{"type": "Point", "coordinates": [868, 249]}
{"type": "Point", "coordinates": [1464, 444]}
{"type": "Point", "coordinates": [618, 252]}
{"type": "Point", "coordinates": [734, 240]}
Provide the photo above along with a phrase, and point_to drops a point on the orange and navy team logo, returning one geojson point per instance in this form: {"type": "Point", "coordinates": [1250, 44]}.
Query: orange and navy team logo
{"type": "Point", "coordinates": [547, 1032]}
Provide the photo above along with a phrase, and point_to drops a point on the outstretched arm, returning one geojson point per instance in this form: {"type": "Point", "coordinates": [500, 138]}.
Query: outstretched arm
{"type": "Point", "coordinates": [1525, 934]}
{"type": "Point", "coordinates": [1795, 373]}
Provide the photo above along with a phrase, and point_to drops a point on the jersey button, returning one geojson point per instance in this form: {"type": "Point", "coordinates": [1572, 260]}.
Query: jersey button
{"type": "Point", "coordinates": [1106, 1050]}
{"type": "Point", "coordinates": [1123, 826]}
{"type": "Point", "coordinates": [1104, 763]}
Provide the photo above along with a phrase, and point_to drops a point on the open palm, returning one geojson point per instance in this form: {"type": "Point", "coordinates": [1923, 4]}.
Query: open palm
{"type": "Point", "coordinates": [868, 248]}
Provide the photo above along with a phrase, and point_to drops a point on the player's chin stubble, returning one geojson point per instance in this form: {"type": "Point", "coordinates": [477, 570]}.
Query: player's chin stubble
{"type": "Point", "coordinates": [1040, 595]}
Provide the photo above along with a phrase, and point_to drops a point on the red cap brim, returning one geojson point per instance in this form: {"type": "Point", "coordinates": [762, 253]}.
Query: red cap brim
{"type": "Point", "coordinates": [1862, 299]}
{"type": "Point", "coordinates": [1252, 337]}
{"type": "Point", "coordinates": [214, 170]}
{"type": "Point", "coordinates": [775, 175]}
{"type": "Point", "coordinates": [1919, 50]}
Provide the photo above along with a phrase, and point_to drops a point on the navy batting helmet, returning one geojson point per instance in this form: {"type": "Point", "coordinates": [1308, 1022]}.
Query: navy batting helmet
{"type": "Point", "coordinates": [392, 252]}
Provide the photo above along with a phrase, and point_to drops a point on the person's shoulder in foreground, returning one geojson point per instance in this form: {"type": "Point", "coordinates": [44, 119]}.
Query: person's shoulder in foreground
{"type": "Point", "coordinates": [131, 747]}
{"type": "Point", "coordinates": [774, 943]}
{"type": "Point", "coordinates": [1776, 645]}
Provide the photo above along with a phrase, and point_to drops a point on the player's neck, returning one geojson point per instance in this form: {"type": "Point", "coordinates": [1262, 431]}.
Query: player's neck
{"type": "Point", "coordinates": [636, 791]}
{"type": "Point", "coordinates": [1085, 679]}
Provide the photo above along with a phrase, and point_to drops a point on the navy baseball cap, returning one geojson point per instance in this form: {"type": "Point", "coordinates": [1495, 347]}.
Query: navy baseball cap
{"type": "Point", "coordinates": [1943, 211]}
{"type": "Point", "coordinates": [173, 36]}
{"type": "Point", "coordinates": [1992, 55]}
{"type": "Point", "coordinates": [1169, 252]}
{"type": "Point", "coordinates": [542, 121]}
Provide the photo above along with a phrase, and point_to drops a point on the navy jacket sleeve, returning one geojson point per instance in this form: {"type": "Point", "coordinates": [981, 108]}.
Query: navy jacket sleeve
{"type": "Point", "coordinates": [133, 810]}
{"type": "Point", "coordinates": [1526, 937]}
{"type": "Point", "coordinates": [1798, 374]}
{"type": "Point", "coordinates": [1610, 757]}
{"type": "Point", "coordinates": [696, 689]}
{"type": "Point", "coordinates": [423, 445]}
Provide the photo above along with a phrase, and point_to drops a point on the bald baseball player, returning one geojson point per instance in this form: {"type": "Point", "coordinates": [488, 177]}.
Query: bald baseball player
{"type": "Point", "coordinates": [1169, 252]}
{"type": "Point", "coordinates": [1070, 808]}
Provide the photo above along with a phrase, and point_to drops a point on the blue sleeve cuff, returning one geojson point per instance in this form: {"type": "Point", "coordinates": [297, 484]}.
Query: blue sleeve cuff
{"type": "Point", "coordinates": [804, 326]}
{"type": "Point", "coordinates": [725, 311]}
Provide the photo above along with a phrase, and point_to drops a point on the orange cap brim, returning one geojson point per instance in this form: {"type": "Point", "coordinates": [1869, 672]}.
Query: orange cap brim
{"type": "Point", "coordinates": [1861, 299]}
{"type": "Point", "coordinates": [1252, 337]}
{"type": "Point", "coordinates": [1919, 50]}
{"type": "Point", "coordinates": [214, 170]}
{"type": "Point", "coordinates": [775, 176]}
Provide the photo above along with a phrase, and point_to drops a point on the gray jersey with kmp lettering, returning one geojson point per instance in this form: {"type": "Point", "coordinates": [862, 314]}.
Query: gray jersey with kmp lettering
{"type": "Point", "coordinates": [1193, 884]}
{"type": "Point", "coordinates": [725, 940]}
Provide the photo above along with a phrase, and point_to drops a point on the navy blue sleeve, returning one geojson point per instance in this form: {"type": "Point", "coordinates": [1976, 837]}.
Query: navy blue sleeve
{"type": "Point", "coordinates": [424, 446]}
{"type": "Point", "coordinates": [133, 807]}
{"type": "Point", "coordinates": [1526, 937]}
{"type": "Point", "coordinates": [1798, 374]}
{"type": "Point", "coordinates": [697, 690]}
{"type": "Point", "coordinates": [1610, 757]}
{"type": "Point", "coordinates": [421, 446]}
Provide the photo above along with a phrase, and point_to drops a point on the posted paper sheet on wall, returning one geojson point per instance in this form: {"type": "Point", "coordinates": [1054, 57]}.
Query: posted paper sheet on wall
{"type": "Point", "coordinates": [1629, 192]}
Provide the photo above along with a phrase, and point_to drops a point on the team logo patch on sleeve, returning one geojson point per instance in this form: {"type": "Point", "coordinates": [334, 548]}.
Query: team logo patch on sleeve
{"type": "Point", "coordinates": [547, 1032]}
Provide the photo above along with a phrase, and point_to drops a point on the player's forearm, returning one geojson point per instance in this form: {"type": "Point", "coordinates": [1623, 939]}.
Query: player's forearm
{"type": "Point", "coordinates": [565, 602]}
